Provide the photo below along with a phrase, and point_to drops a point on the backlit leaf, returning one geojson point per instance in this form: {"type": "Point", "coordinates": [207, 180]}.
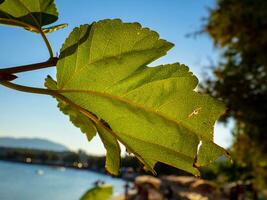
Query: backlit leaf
{"type": "Point", "coordinates": [87, 126]}
{"type": "Point", "coordinates": [78, 119]}
{"type": "Point", "coordinates": [154, 111]}
{"type": "Point", "coordinates": [31, 15]}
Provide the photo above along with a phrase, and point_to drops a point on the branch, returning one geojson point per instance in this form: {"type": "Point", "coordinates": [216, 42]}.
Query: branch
{"type": "Point", "coordinates": [7, 73]}
{"type": "Point", "coordinates": [18, 23]}
{"type": "Point", "coordinates": [56, 94]}
{"type": "Point", "coordinates": [50, 50]}
{"type": "Point", "coordinates": [53, 93]}
{"type": "Point", "coordinates": [7, 77]}
{"type": "Point", "coordinates": [31, 28]}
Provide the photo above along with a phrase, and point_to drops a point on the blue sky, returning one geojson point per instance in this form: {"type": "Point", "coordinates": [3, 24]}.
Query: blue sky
{"type": "Point", "coordinates": [30, 115]}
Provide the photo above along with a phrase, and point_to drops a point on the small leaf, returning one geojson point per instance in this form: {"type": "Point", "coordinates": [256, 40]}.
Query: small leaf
{"type": "Point", "coordinates": [29, 14]}
{"type": "Point", "coordinates": [102, 192]}
{"type": "Point", "coordinates": [49, 29]}
{"type": "Point", "coordinates": [154, 111]}
{"type": "Point", "coordinates": [54, 28]}
{"type": "Point", "coordinates": [113, 150]}
{"type": "Point", "coordinates": [78, 119]}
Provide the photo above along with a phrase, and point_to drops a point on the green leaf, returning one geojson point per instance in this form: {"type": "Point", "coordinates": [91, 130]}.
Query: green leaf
{"type": "Point", "coordinates": [87, 126]}
{"type": "Point", "coordinates": [78, 119]}
{"type": "Point", "coordinates": [98, 193]}
{"type": "Point", "coordinates": [52, 29]}
{"type": "Point", "coordinates": [154, 111]}
{"type": "Point", "coordinates": [29, 14]}
{"type": "Point", "coordinates": [208, 152]}
{"type": "Point", "coordinates": [113, 150]}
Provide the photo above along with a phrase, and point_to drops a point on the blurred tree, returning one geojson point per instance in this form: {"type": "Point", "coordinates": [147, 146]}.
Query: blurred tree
{"type": "Point", "coordinates": [239, 28]}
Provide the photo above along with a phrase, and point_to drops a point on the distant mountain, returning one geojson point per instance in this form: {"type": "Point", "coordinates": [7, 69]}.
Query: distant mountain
{"type": "Point", "coordinates": [31, 143]}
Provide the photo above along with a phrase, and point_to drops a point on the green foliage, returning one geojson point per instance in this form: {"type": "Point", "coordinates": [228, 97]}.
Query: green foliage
{"type": "Point", "coordinates": [88, 127]}
{"type": "Point", "coordinates": [78, 119]}
{"type": "Point", "coordinates": [113, 150]}
{"type": "Point", "coordinates": [104, 84]}
{"type": "Point", "coordinates": [29, 14]}
{"type": "Point", "coordinates": [239, 28]}
{"type": "Point", "coordinates": [102, 192]}
{"type": "Point", "coordinates": [105, 72]}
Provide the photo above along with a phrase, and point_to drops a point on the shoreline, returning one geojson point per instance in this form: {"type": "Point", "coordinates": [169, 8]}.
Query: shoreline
{"type": "Point", "coordinates": [58, 166]}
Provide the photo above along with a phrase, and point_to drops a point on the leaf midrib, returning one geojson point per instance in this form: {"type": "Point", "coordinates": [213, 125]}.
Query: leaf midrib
{"type": "Point", "coordinates": [117, 135]}
{"type": "Point", "coordinates": [118, 98]}
{"type": "Point", "coordinates": [137, 154]}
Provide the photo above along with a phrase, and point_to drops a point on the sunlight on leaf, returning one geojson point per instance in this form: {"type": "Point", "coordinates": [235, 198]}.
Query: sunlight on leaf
{"type": "Point", "coordinates": [154, 111]}
{"type": "Point", "coordinates": [88, 127]}
{"type": "Point", "coordinates": [113, 150]}
{"type": "Point", "coordinates": [78, 119]}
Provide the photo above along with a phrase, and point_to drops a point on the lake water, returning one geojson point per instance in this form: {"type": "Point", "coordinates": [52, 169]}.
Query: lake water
{"type": "Point", "coordinates": [22, 182]}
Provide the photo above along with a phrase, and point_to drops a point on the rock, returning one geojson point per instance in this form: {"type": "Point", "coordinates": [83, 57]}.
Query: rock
{"type": "Point", "coordinates": [203, 186]}
{"type": "Point", "coordinates": [192, 196]}
{"type": "Point", "coordinates": [184, 181]}
{"type": "Point", "coordinates": [153, 181]}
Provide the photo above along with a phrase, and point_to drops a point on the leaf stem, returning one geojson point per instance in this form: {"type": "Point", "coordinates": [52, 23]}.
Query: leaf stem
{"type": "Point", "coordinates": [31, 27]}
{"type": "Point", "coordinates": [27, 89]}
{"type": "Point", "coordinates": [24, 68]}
{"type": "Point", "coordinates": [87, 113]}
{"type": "Point", "coordinates": [18, 23]}
{"type": "Point", "coordinates": [52, 93]}
{"type": "Point", "coordinates": [50, 50]}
